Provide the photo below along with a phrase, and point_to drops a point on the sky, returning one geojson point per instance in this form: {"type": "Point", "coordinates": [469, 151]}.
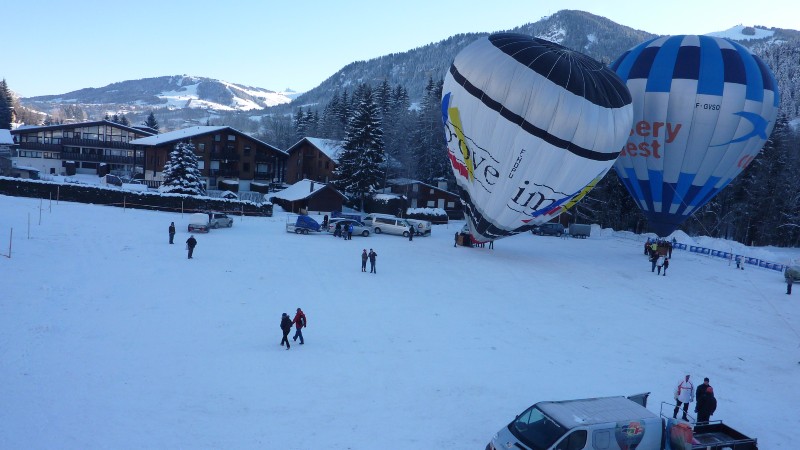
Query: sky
{"type": "Point", "coordinates": [61, 46]}
{"type": "Point", "coordinates": [112, 338]}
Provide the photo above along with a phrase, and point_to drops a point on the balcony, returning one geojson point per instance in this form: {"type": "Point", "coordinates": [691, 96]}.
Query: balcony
{"type": "Point", "coordinates": [74, 156]}
{"type": "Point", "coordinates": [226, 155]}
{"type": "Point", "coordinates": [39, 146]}
{"type": "Point", "coordinates": [96, 143]}
{"type": "Point", "coordinates": [231, 173]}
{"type": "Point", "coordinates": [263, 175]}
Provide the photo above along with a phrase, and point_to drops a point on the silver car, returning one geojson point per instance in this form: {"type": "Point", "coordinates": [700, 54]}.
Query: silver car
{"type": "Point", "coordinates": [359, 229]}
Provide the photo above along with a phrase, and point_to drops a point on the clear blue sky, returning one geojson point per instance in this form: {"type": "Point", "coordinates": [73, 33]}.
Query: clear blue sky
{"type": "Point", "coordinates": [56, 46]}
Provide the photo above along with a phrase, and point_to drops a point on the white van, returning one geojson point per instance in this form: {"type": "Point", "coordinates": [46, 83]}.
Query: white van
{"type": "Point", "coordinates": [384, 223]}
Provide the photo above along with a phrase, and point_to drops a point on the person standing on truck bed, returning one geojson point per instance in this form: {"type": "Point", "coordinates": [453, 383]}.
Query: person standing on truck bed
{"type": "Point", "coordinates": [684, 394]}
{"type": "Point", "coordinates": [700, 392]}
{"type": "Point", "coordinates": [706, 406]}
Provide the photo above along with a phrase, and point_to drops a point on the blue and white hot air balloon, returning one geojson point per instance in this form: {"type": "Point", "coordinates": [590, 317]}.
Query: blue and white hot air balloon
{"type": "Point", "coordinates": [703, 108]}
{"type": "Point", "coordinates": [531, 127]}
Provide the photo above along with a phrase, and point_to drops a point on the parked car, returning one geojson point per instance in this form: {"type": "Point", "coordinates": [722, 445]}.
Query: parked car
{"type": "Point", "coordinates": [793, 272]}
{"type": "Point", "coordinates": [384, 223]}
{"type": "Point", "coordinates": [216, 220]}
{"type": "Point", "coordinates": [549, 229]}
{"type": "Point", "coordinates": [198, 223]}
{"type": "Point", "coordinates": [359, 229]}
{"type": "Point", "coordinates": [422, 227]}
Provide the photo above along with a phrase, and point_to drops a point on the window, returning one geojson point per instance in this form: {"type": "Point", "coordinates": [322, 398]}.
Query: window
{"type": "Point", "coordinates": [246, 149]}
{"type": "Point", "coordinates": [574, 441]}
{"type": "Point", "coordinates": [201, 164]}
{"type": "Point", "coordinates": [415, 188]}
{"type": "Point", "coordinates": [451, 205]}
{"type": "Point", "coordinates": [201, 147]}
{"type": "Point", "coordinates": [601, 439]}
{"type": "Point", "coordinates": [217, 137]}
{"type": "Point", "coordinates": [231, 137]}
{"type": "Point", "coordinates": [431, 204]}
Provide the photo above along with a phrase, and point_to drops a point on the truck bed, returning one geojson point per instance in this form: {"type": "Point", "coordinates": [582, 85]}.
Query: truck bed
{"type": "Point", "coordinates": [716, 435]}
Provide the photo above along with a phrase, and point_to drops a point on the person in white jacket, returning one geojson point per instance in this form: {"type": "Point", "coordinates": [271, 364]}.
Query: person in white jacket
{"type": "Point", "coordinates": [684, 394]}
{"type": "Point", "coordinates": [660, 264]}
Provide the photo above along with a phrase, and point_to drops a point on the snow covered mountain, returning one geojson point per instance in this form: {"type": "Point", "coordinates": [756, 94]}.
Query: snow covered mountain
{"type": "Point", "coordinates": [170, 92]}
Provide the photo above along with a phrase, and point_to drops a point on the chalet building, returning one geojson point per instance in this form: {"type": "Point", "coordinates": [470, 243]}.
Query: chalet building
{"type": "Point", "coordinates": [228, 159]}
{"type": "Point", "coordinates": [7, 147]}
{"type": "Point", "coordinates": [423, 195]}
{"type": "Point", "coordinates": [312, 159]}
{"type": "Point", "coordinates": [305, 196]}
{"type": "Point", "coordinates": [98, 147]}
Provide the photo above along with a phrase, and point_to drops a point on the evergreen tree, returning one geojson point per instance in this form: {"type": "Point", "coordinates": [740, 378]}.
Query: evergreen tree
{"type": "Point", "coordinates": [151, 121]}
{"type": "Point", "coordinates": [124, 120]}
{"type": "Point", "coordinates": [429, 146]}
{"type": "Point", "coordinates": [360, 167]}
{"type": "Point", "coordinates": [181, 175]}
{"type": "Point", "coordinates": [6, 106]}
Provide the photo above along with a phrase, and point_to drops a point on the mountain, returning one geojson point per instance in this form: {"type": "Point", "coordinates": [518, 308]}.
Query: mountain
{"type": "Point", "coordinates": [185, 100]}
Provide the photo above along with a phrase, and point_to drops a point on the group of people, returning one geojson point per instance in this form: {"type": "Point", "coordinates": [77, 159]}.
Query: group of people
{"type": "Point", "coordinates": [685, 393]}
{"type": "Point", "coordinates": [658, 253]}
{"type": "Point", "coordinates": [344, 231]}
{"type": "Point", "coordinates": [191, 243]}
{"type": "Point", "coordinates": [371, 257]}
{"type": "Point", "coordinates": [299, 322]}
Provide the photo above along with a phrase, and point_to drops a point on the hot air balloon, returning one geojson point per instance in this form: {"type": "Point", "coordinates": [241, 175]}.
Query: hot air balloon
{"type": "Point", "coordinates": [703, 108]}
{"type": "Point", "coordinates": [531, 127]}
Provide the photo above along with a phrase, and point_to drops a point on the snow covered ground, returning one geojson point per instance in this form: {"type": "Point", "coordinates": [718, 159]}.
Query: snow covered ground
{"type": "Point", "coordinates": [111, 338]}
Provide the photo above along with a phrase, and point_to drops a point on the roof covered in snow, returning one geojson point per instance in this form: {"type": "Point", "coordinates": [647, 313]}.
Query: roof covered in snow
{"type": "Point", "coordinates": [301, 190]}
{"type": "Point", "coordinates": [188, 133]}
{"type": "Point", "coordinates": [330, 147]}
{"type": "Point", "coordinates": [6, 138]}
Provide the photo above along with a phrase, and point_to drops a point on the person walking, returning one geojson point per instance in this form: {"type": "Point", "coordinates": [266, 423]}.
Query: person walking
{"type": "Point", "coordinates": [789, 283]}
{"type": "Point", "coordinates": [653, 261]}
{"type": "Point", "coordinates": [684, 394]}
{"type": "Point", "coordinates": [738, 261]}
{"type": "Point", "coordinates": [372, 257]}
{"type": "Point", "coordinates": [455, 243]}
{"type": "Point", "coordinates": [364, 257]}
{"type": "Point", "coordinates": [350, 232]}
{"type": "Point", "coordinates": [171, 232]}
{"type": "Point", "coordinates": [706, 406]}
{"type": "Point", "coordinates": [286, 327]}
{"type": "Point", "coordinates": [659, 264]}
{"type": "Point", "coordinates": [666, 264]}
{"type": "Point", "coordinates": [299, 322]}
{"type": "Point", "coordinates": [410, 233]}
{"type": "Point", "coordinates": [190, 244]}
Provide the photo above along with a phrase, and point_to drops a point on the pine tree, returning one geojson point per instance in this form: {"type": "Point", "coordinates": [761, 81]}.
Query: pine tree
{"type": "Point", "coordinates": [151, 121]}
{"type": "Point", "coordinates": [6, 106]}
{"type": "Point", "coordinates": [181, 175]}
{"type": "Point", "coordinates": [124, 120]}
{"type": "Point", "coordinates": [429, 146]}
{"type": "Point", "coordinates": [360, 167]}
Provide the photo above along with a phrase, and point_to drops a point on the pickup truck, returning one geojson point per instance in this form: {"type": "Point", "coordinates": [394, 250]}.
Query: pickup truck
{"type": "Point", "coordinates": [612, 423]}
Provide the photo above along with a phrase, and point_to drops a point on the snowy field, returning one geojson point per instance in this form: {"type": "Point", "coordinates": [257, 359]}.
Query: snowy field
{"type": "Point", "coordinates": [112, 339]}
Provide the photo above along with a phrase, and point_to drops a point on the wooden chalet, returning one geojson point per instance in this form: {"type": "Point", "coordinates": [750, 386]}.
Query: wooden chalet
{"type": "Point", "coordinates": [423, 195]}
{"type": "Point", "coordinates": [309, 195]}
{"type": "Point", "coordinates": [312, 159]}
{"type": "Point", "coordinates": [228, 159]}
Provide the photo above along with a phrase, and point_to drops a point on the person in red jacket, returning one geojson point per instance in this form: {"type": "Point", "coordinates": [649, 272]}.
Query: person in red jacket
{"type": "Point", "coordinates": [299, 323]}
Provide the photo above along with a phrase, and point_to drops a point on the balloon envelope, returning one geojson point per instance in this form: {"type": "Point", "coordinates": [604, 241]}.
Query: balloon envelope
{"type": "Point", "coordinates": [703, 108]}
{"type": "Point", "coordinates": [531, 127]}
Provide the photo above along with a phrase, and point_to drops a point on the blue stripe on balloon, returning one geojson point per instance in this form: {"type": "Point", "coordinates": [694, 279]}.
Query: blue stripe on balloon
{"type": "Point", "coordinates": [712, 68]}
{"type": "Point", "coordinates": [755, 83]}
{"type": "Point", "coordinates": [628, 178]}
{"type": "Point", "coordinates": [623, 65]}
{"type": "Point", "coordinates": [656, 184]}
{"type": "Point", "coordinates": [684, 182]}
{"type": "Point", "coordinates": [660, 77]}
{"type": "Point", "coordinates": [697, 199]}
{"type": "Point", "coordinates": [769, 80]}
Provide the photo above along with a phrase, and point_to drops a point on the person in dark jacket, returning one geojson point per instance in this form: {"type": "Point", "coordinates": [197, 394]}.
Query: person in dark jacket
{"type": "Point", "coordinates": [299, 322]}
{"type": "Point", "coordinates": [190, 244]}
{"type": "Point", "coordinates": [653, 261]}
{"type": "Point", "coordinates": [364, 257]}
{"type": "Point", "coordinates": [286, 327]}
{"type": "Point", "coordinates": [706, 406]}
{"type": "Point", "coordinates": [666, 264]}
{"type": "Point", "coordinates": [337, 230]}
{"type": "Point", "coordinates": [700, 392]}
{"type": "Point", "coordinates": [372, 256]}
{"type": "Point", "coordinates": [171, 232]}
{"type": "Point", "coordinates": [350, 232]}
{"type": "Point", "coordinates": [411, 232]}
{"type": "Point", "coordinates": [789, 283]}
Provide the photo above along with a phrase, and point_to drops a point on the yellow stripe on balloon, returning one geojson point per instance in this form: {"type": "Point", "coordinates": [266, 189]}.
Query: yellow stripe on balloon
{"type": "Point", "coordinates": [455, 118]}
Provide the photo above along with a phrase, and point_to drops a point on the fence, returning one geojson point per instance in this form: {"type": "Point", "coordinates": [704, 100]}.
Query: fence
{"type": "Point", "coordinates": [730, 256]}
